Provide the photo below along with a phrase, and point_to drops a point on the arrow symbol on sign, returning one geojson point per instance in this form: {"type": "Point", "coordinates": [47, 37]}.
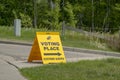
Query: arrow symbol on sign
{"type": "Point", "coordinates": [52, 54]}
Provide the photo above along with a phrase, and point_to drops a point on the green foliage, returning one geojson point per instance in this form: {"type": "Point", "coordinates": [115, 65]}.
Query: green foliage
{"type": "Point", "coordinates": [10, 9]}
{"type": "Point", "coordinates": [15, 14]}
{"type": "Point", "coordinates": [49, 17]}
{"type": "Point", "coordinates": [25, 20]}
{"type": "Point", "coordinates": [43, 17]}
{"type": "Point", "coordinates": [55, 15]}
{"type": "Point", "coordinates": [51, 13]}
{"type": "Point", "coordinates": [69, 15]}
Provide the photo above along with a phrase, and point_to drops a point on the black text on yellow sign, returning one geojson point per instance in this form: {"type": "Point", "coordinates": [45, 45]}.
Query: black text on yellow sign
{"type": "Point", "coordinates": [48, 48]}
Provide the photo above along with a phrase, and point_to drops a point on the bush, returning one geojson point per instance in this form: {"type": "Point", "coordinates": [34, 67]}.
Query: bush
{"type": "Point", "coordinates": [25, 20]}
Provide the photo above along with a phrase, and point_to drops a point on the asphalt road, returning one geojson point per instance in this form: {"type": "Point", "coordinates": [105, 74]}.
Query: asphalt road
{"type": "Point", "coordinates": [22, 52]}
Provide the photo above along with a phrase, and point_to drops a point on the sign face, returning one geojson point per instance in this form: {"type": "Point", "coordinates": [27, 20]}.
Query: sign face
{"type": "Point", "coordinates": [48, 48]}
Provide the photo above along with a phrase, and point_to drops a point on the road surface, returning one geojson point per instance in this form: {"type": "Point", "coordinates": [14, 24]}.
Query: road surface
{"type": "Point", "coordinates": [20, 52]}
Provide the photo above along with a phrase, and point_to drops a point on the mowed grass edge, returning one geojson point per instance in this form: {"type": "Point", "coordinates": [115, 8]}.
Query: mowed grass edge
{"type": "Point", "coordinates": [106, 69]}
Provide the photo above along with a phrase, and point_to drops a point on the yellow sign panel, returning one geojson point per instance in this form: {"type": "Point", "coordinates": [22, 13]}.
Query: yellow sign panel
{"type": "Point", "coordinates": [48, 48]}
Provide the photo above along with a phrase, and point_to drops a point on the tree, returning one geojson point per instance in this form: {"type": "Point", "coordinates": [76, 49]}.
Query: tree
{"type": "Point", "coordinates": [85, 14]}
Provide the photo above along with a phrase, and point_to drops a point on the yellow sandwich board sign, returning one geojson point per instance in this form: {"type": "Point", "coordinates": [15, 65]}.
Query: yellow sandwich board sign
{"type": "Point", "coordinates": [47, 47]}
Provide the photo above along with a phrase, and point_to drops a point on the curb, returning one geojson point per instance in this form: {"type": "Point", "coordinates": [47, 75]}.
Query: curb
{"type": "Point", "coordinates": [115, 54]}
{"type": "Point", "coordinates": [15, 42]}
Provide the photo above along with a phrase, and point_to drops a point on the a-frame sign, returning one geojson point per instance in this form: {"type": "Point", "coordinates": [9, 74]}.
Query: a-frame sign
{"type": "Point", "coordinates": [47, 47]}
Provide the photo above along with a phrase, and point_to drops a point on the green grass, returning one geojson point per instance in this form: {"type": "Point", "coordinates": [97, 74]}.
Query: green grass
{"type": "Point", "coordinates": [108, 69]}
{"type": "Point", "coordinates": [78, 41]}
{"type": "Point", "coordinates": [70, 39]}
{"type": "Point", "coordinates": [27, 34]}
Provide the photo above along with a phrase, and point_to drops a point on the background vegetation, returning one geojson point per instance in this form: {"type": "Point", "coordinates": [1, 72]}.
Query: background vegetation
{"type": "Point", "coordinates": [95, 14]}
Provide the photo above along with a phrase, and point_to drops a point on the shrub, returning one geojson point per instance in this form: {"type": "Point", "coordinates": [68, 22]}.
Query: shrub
{"type": "Point", "coordinates": [25, 20]}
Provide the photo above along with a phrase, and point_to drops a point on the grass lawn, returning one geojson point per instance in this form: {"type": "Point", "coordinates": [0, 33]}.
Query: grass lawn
{"type": "Point", "coordinates": [28, 34]}
{"type": "Point", "coordinates": [107, 69]}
